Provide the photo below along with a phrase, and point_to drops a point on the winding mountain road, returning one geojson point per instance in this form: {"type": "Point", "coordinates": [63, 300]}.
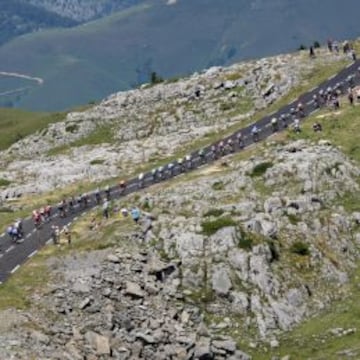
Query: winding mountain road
{"type": "Point", "coordinates": [14, 254]}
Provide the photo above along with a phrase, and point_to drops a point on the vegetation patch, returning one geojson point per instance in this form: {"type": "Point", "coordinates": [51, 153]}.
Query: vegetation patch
{"type": "Point", "coordinates": [97, 162]}
{"type": "Point", "coordinates": [17, 124]}
{"type": "Point", "coordinates": [72, 128]}
{"type": "Point", "coordinates": [300, 248]}
{"type": "Point", "coordinates": [218, 185]}
{"type": "Point", "coordinates": [214, 212]}
{"type": "Point", "coordinates": [294, 219]}
{"type": "Point", "coordinates": [261, 168]}
{"type": "Point", "coordinates": [4, 182]}
{"type": "Point", "coordinates": [211, 227]}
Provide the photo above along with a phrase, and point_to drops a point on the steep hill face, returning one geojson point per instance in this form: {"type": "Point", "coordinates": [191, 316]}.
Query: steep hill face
{"type": "Point", "coordinates": [120, 51]}
{"type": "Point", "coordinates": [18, 17]}
{"type": "Point", "coordinates": [130, 129]}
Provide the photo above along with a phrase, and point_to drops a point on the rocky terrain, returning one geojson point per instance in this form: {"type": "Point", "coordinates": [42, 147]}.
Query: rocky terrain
{"type": "Point", "coordinates": [147, 124]}
{"type": "Point", "coordinates": [233, 254]}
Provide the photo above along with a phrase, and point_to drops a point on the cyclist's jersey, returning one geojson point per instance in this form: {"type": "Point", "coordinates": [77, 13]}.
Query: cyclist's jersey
{"type": "Point", "coordinates": [141, 176]}
{"type": "Point", "coordinates": [273, 121]}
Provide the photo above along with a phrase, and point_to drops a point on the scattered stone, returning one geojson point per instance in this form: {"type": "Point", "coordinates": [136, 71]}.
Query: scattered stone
{"type": "Point", "coordinates": [133, 289]}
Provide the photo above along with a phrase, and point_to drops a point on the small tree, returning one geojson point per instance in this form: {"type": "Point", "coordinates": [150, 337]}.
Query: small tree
{"type": "Point", "coordinates": [155, 78]}
{"type": "Point", "coordinates": [316, 45]}
{"type": "Point", "coordinates": [302, 47]}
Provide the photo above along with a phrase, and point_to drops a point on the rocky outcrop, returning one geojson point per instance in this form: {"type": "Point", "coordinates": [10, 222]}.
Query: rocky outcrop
{"type": "Point", "coordinates": [122, 310]}
{"type": "Point", "coordinates": [260, 245]}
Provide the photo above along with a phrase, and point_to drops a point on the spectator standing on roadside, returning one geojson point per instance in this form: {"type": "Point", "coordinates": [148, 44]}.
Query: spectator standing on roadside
{"type": "Point", "coordinates": [106, 209]}
{"type": "Point", "coordinates": [67, 233]}
{"type": "Point", "coordinates": [135, 214]}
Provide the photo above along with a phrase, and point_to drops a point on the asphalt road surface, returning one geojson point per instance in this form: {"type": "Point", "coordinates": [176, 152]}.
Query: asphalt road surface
{"type": "Point", "coordinates": [13, 254]}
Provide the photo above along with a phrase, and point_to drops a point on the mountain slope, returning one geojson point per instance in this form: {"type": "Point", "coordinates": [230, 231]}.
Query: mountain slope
{"type": "Point", "coordinates": [18, 17]}
{"type": "Point", "coordinates": [120, 51]}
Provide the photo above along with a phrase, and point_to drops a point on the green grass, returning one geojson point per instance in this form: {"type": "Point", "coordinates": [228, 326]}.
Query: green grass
{"type": "Point", "coordinates": [211, 227]}
{"type": "Point", "coordinates": [101, 135]}
{"type": "Point", "coordinates": [97, 162]}
{"type": "Point", "coordinates": [4, 182]}
{"type": "Point", "coordinates": [300, 248]}
{"type": "Point", "coordinates": [312, 340]}
{"type": "Point", "coordinates": [260, 169]}
{"type": "Point", "coordinates": [214, 212]}
{"type": "Point", "coordinates": [31, 278]}
{"type": "Point", "coordinates": [16, 124]}
{"type": "Point", "coordinates": [342, 129]}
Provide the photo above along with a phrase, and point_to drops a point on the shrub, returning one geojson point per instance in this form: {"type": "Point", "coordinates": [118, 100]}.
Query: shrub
{"type": "Point", "coordinates": [211, 227]}
{"type": "Point", "coordinates": [72, 128]}
{"type": "Point", "coordinates": [261, 168]}
{"type": "Point", "coordinates": [218, 185]}
{"type": "Point", "coordinates": [214, 212]}
{"type": "Point", "coordinates": [300, 248]}
{"type": "Point", "coordinates": [293, 219]}
{"type": "Point", "coordinates": [316, 45]}
{"type": "Point", "coordinates": [302, 47]}
{"type": "Point", "coordinates": [4, 182]}
{"type": "Point", "coordinates": [245, 243]}
{"type": "Point", "coordinates": [97, 162]}
{"type": "Point", "coordinates": [155, 78]}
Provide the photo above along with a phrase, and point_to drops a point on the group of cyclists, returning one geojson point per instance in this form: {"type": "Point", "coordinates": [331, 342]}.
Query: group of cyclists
{"type": "Point", "coordinates": [324, 97]}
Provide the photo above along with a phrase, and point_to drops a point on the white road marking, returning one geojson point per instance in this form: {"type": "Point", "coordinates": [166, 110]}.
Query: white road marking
{"type": "Point", "coordinates": [28, 235]}
{"type": "Point", "coordinates": [312, 89]}
{"type": "Point", "coordinates": [69, 224]}
{"type": "Point", "coordinates": [76, 217]}
{"type": "Point", "coordinates": [15, 268]}
{"type": "Point", "coordinates": [309, 102]}
{"type": "Point", "coordinates": [3, 234]}
{"type": "Point", "coordinates": [49, 241]}
{"type": "Point", "coordinates": [33, 231]}
{"type": "Point", "coordinates": [332, 77]}
{"type": "Point", "coordinates": [1, 255]}
{"type": "Point", "coordinates": [12, 247]}
{"type": "Point", "coordinates": [32, 254]}
{"type": "Point", "coordinates": [313, 111]}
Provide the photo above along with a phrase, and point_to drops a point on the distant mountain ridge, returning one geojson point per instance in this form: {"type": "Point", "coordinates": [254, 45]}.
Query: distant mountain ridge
{"type": "Point", "coordinates": [18, 17]}
{"type": "Point", "coordinates": [84, 10]}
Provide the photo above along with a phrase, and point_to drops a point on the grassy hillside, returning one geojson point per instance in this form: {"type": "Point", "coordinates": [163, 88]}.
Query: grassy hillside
{"type": "Point", "coordinates": [120, 51]}
{"type": "Point", "coordinates": [16, 124]}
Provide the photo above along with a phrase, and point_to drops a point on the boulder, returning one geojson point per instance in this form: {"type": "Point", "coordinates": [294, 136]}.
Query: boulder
{"type": "Point", "coordinates": [98, 342]}
{"type": "Point", "coordinates": [134, 290]}
{"type": "Point", "coordinates": [221, 282]}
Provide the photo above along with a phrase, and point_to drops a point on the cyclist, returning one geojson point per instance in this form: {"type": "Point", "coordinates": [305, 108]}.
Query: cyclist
{"type": "Point", "coordinates": [202, 156]}
{"type": "Point", "coordinates": [122, 186]}
{"type": "Point", "coordinates": [141, 180]}
{"type": "Point", "coordinates": [239, 139]}
{"type": "Point", "coordinates": [255, 133]}
{"type": "Point", "coordinates": [97, 196]}
{"type": "Point", "coordinates": [107, 192]}
{"type": "Point", "coordinates": [274, 124]}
